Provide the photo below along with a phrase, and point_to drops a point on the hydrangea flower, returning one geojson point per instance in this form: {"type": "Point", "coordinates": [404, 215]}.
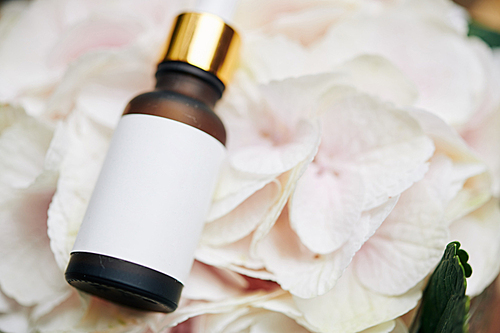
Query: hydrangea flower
{"type": "Point", "coordinates": [361, 136]}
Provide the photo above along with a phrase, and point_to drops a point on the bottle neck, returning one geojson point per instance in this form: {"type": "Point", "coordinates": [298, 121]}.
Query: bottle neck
{"type": "Point", "coordinates": [189, 81]}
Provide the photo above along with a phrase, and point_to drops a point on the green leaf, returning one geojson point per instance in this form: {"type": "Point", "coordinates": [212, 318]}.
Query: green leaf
{"type": "Point", "coordinates": [490, 36]}
{"type": "Point", "coordinates": [444, 307]}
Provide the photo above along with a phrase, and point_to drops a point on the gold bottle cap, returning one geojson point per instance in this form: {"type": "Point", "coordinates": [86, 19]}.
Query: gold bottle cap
{"type": "Point", "coordinates": [205, 41]}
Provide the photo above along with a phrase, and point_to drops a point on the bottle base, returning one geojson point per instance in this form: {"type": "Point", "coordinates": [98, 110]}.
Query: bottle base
{"type": "Point", "coordinates": [123, 282]}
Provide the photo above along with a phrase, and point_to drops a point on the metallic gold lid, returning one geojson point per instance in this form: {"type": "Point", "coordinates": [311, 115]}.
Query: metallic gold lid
{"type": "Point", "coordinates": [205, 41]}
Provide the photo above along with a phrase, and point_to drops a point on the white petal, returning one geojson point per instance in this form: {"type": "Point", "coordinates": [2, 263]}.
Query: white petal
{"type": "Point", "coordinates": [242, 220]}
{"type": "Point", "coordinates": [28, 271]}
{"type": "Point", "coordinates": [11, 12]}
{"type": "Point", "coordinates": [100, 84]}
{"type": "Point", "coordinates": [461, 187]}
{"type": "Point", "coordinates": [66, 316]}
{"type": "Point", "coordinates": [386, 327]}
{"type": "Point", "coordinates": [219, 322]}
{"type": "Point", "coordinates": [23, 144]}
{"type": "Point", "coordinates": [288, 181]}
{"type": "Point", "coordinates": [224, 306]}
{"type": "Point", "coordinates": [234, 187]}
{"type": "Point", "coordinates": [13, 317]}
{"type": "Point", "coordinates": [282, 304]}
{"type": "Point", "coordinates": [457, 81]}
{"type": "Point", "coordinates": [378, 77]}
{"type": "Point", "coordinates": [236, 257]}
{"type": "Point", "coordinates": [9, 115]}
{"type": "Point", "coordinates": [14, 322]}
{"type": "Point", "coordinates": [406, 247]}
{"type": "Point", "coordinates": [275, 58]}
{"type": "Point", "coordinates": [479, 234]}
{"type": "Point", "coordinates": [400, 327]}
{"type": "Point", "coordinates": [349, 307]}
{"type": "Point", "coordinates": [263, 322]}
{"type": "Point", "coordinates": [91, 314]}
{"type": "Point", "coordinates": [24, 63]}
{"type": "Point", "coordinates": [325, 208]}
{"type": "Point", "coordinates": [85, 143]}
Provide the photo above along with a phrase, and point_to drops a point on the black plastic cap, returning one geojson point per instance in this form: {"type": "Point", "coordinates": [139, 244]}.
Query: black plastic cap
{"type": "Point", "coordinates": [182, 67]}
{"type": "Point", "coordinates": [123, 282]}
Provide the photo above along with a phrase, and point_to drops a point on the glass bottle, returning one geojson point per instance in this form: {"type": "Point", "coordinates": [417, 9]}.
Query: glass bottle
{"type": "Point", "coordinates": [137, 240]}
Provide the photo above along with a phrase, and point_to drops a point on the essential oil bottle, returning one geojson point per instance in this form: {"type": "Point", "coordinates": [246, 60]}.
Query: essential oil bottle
{"type": "Point", "coordinates": [137, 240]}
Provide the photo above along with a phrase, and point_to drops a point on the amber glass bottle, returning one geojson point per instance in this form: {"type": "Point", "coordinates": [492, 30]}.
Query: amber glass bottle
{"type": "Point", "coordinates": [137, 240]}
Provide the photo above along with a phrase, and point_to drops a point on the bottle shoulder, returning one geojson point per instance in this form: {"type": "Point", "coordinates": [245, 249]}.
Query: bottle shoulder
{"type": "Point", "coordinates": [178, 107]}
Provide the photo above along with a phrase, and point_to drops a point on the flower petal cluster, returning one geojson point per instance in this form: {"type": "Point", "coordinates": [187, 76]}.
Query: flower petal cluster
{"type": "Point", "coordinates": [362, 138]}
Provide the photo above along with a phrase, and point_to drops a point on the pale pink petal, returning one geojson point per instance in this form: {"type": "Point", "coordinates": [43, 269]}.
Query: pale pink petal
{"type": "Point", "coordinates": [80, 147]}
{"type": "Point", "coordinates": [97, 33]}
{"type": "Point", "coordinates": [304, 21]}
{"type": "Point", "coordinates": [465, 180]}
{"type": "Point", "coordinates": [242, 220]}
{"type": "Point", "coordinates": [240, 256]}
{"type": "Point", "coordinates": [269, 159]}
{"type": "Point", "coordinates": [305, 273]}
{"type": "Point", "coordinates": [55, 34]}
{"type": "Point", "coordinates": [325, 208]}
{"type": "Point", "coordinates": [484, 139]}
{"type": "Point", "coordinates": [407, 246]}
{"type": "Point", "coordinates": [268, 132]}
{"type": "Point", "coordinates": [297, 269]}
{"type": "Point", "coordinates": [390, 156]}
{"type": "Point", "coordinates": [212, 284]}
{"type": "Point", "coordinates": [479, 234]}
{"type": "Point", "coordinates": [349, 307]}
